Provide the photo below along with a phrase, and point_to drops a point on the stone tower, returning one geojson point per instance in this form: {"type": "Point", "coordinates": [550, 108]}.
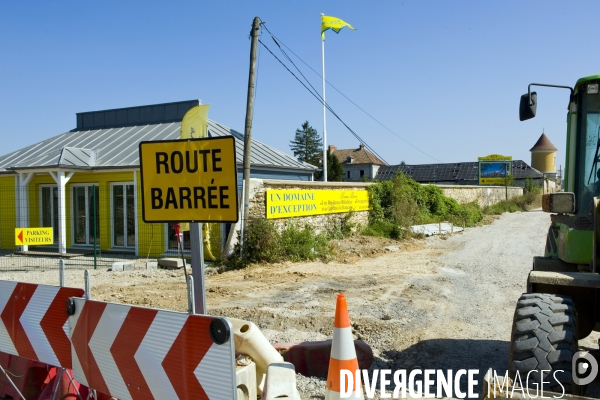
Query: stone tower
{"type": "Point", "coordinates": [543, 156]}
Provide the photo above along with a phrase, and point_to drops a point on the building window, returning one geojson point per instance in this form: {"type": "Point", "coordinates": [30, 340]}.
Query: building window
{"type": "Point", "coordinates": [348, 174]}
{"type": "Point", "coordinates": [362, 173]}
{"type": "Point", "coordinates": [49, 208]}
{"type": "Point", "coordinates": [172, 240]}
{"type": "Point", "coordinates": [86, 206]}
{"type": "Point", "coordinates": [123, 215]}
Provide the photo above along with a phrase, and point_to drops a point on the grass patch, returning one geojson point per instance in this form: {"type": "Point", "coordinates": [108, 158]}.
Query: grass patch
{"type": "Point", "coordinates": [525, 202]}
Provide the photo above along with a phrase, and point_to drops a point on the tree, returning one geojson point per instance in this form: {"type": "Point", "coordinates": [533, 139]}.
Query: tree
{"type": "Point", "coordinates": [335, 170]}
{"type": "Point", "coordinates": [307, 145]}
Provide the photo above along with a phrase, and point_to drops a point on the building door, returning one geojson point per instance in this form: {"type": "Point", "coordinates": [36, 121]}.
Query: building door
{"type": "Point", "coordinates": [49, 210]}
{"type": "Point", "coordinates": [123, 215]}
{"type": "Point", "coordinates": [86, 199]}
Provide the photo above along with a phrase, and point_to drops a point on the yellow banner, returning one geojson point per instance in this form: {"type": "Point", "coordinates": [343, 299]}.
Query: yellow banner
{"type": "Point", "coordinates": [194, 124]}
{"type": "Point", "coordinates": [298, 203]}
{"type": "Point", "coordinates": [33, 236]}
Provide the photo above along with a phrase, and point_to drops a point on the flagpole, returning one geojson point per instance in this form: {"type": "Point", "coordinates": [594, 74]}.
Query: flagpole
{"type": "Point", "coordinates": [324, 109]}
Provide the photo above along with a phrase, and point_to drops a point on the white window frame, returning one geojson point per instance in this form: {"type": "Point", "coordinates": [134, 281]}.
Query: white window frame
{"type": "Point", "coordinates": [112, 217]}
{"type": "Point", "coordinates": [87, 213]}
{"type": "Point", "coordinates": [41, 197]}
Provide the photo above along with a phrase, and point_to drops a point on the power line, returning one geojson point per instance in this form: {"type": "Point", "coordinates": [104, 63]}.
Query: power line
{"type": "Point", "coordinates": [315, 93]}
{"type": "Point", "coordinates": [318, 97]}
{"type": "Point", "coordinates": [277, 41]}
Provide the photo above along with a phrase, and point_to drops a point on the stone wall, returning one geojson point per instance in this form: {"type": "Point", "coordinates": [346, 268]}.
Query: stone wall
{"type": "Point", "coordinates": [483, 195]}
{"type": "Point", "coordinates": [257, 206]}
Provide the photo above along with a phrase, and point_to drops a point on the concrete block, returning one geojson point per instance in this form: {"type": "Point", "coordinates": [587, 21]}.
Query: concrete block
{"type": "Point", "coordinates": [245, 377]}
{"type": "Point", "coordinates": [146, 265]}
{"type": "Point", "coordinates": [280, 382]}
{"type": "Point", "coordinates": [120, 266]}
{"type": "Point", "coordinates": [170, 263]}
{"type": "Point", "coordinates": [312, 358]}
{"type": "Point", "coordinates": [151, 265]}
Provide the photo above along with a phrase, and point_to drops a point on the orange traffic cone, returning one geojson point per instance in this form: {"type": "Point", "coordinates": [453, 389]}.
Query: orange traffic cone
{"type": "Point", "coordinates": [343, 357]}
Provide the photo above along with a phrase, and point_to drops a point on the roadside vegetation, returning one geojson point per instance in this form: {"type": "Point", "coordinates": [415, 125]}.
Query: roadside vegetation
{"type": "Point", "coordinates": [396, 205]}
{"type": "Point", "coordinates": [531, 198]}
{"type": "Point", "coordinates": [264, 242]}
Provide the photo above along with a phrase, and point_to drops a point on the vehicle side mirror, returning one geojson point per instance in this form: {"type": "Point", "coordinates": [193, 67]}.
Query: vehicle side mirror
{"type": "Point", "coordinates": [562, 203]}
{"type": "Point", "coordinates": [527, 109]}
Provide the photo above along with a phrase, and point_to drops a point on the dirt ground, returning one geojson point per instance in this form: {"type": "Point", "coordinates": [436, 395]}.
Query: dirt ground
{"type": "Point", "coordinates": [439, 302]}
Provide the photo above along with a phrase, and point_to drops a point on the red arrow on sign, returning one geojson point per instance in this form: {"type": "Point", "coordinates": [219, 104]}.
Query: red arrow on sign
{"type": "Point", "coordinates": [185, 355]}
{"type": "Point", "coordinates": [20, 236]}
{"type": "Point", "coordinates": [126, 344]}
{"type": "Point", "coordinates": [82, 334]}
{"type": "Point", "coordinates": [52, 325]}
{"type": "Point", "coordinates": [11, 316]}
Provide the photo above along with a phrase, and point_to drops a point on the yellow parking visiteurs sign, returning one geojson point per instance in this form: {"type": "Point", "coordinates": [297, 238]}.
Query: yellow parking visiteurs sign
{"type": "Point", "coordinates": [33, 236]}
{"type": "Point", "coordinates": [297, 203]}
{"type": "Point", "coordinates": [190, 180]}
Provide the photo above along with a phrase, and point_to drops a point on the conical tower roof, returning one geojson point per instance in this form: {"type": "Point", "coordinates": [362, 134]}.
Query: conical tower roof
{"type": "Point", "coordinates": [543, 144]}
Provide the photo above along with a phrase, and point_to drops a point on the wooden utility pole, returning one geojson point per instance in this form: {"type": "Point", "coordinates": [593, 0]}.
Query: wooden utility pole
{"type": "Point", "coordinates": [249, 111]}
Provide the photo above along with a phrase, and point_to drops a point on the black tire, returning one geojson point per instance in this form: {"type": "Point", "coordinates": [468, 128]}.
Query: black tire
{"type": "Point", "coordinates": [544, 337]}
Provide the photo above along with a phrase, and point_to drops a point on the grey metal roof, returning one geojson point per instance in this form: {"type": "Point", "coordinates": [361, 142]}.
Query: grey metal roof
{"type": "Point", "coordinates": [458, 172]}
{"type": "Point", "coordinates": [117, 147]}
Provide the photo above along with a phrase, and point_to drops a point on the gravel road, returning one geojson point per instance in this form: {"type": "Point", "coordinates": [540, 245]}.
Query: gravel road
{"type": "Point", "coordinates": [440, 303]}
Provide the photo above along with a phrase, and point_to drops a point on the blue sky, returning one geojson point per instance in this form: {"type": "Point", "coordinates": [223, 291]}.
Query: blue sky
{"type": "Point", "coordinates": [445, 76]}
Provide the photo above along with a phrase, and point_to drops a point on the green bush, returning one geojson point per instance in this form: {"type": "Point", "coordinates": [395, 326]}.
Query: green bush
{"type": "Point", "coordinates": [401, 202]}
{"type": "Point", "coordinates": [531, 187]}
{"type": "Point", "coordinates": [264, 243]}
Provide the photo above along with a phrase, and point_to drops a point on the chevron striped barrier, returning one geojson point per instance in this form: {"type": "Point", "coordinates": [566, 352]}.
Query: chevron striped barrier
{"type": "Point", "coordinates": [142, 353]}
{"type": "Point", "coordinates": [34, 322]}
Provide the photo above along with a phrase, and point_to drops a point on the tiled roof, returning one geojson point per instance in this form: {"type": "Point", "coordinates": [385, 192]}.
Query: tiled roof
{"type": "Point", "coordinates": [458, 172]}
{"type": "Point", "coordinates": [359, 156]}
{"type": "Point", "coordinates": [543, 144]}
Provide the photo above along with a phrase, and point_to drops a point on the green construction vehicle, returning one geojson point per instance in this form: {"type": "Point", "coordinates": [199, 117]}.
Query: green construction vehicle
{"type": "Point", "coordinates": [562, 303]}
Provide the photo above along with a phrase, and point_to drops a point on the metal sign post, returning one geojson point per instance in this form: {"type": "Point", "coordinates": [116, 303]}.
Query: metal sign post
{"type": "Point", "coordinates": [190, 180]}
{"type": "Point", "coordinates": [197, 247]}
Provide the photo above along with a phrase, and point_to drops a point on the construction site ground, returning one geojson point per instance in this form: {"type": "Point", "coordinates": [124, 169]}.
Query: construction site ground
{"type": "Point", "coordinates": [443, 302]}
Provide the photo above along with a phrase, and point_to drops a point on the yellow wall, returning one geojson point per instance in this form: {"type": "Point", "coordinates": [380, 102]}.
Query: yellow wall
{"type": "Point", "coordinates": [543, 161]}
{"type": "Point", "coordinates": [150, 236]}
{"type": "Point", "coordinates": [151, 240]}
{"type": "Point", "coordinates": [8, 212]}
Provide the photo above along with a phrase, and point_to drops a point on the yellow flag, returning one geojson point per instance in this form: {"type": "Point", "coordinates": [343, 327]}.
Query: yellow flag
{"type": "Point", "coordinates": [195, 123]}
{"type": "Point", "coordinates": [332, 23]}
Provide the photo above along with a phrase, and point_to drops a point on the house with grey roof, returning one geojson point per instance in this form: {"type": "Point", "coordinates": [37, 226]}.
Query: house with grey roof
{"type": "Point", "coordinates": [85, 183]}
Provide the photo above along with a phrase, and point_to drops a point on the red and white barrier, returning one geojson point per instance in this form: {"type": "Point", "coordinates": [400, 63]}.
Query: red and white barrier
{"type": "Point", "coordinates": [143, 353]}
{"type": "Point", "coordinates": [33, 322]}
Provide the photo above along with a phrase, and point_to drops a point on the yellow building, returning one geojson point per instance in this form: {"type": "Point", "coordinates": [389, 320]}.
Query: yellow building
{"type": "Point", "coordinates": [543, 156]}
{"type": "Point", "coordinates": [85, 183]}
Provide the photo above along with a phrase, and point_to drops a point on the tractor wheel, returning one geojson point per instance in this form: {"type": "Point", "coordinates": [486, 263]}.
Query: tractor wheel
{"type": "Point", "coordinates": [544, 337]}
